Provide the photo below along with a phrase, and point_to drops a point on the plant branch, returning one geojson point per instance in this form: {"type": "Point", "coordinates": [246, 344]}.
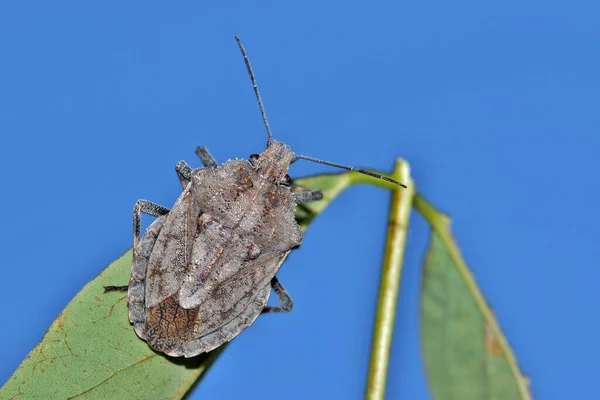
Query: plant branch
{"type": "Point", "coordinates": [390, 282]}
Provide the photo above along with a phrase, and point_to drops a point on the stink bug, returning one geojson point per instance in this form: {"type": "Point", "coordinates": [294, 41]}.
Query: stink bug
{"type": "Point", "coordinates": [203, 271]}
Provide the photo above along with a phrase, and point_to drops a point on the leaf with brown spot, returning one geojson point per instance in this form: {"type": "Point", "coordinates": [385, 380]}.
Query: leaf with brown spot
{"type": "Point", "coordinates": [99, 353]}
{"type": "Point", "coordinates": [466, 354]}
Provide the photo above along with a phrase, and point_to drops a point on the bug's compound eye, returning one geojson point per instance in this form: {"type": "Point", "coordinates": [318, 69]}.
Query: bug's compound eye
{"type": "Point", "coordinates": [287, 180]}
{"type": "Point", "coordinates": [253, 158]}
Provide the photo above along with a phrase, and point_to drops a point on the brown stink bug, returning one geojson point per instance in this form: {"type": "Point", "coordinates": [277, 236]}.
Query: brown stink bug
{"type": "Point", "coordinates": [203, 271]}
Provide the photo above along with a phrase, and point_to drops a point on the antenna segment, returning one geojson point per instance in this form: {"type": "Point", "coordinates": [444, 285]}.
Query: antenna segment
{"type": "Point", "coordinates": [270, 139]}
{"type": "Point", "coordinates": [255, 86]}
{"type": "Point", "coordinates": [349, 168]}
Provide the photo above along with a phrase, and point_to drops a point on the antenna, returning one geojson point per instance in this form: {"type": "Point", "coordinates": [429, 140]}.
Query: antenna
{"type": "Point", "coordinates": [362, 171]}
{"type": "Point", "coordinates": [255, 86]}
{"type": "Point", "coordinates": [270, 139]}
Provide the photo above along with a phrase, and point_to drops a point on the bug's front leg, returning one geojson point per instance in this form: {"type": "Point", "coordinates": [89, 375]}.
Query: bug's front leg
{"type": "Point", "coordinates": [184, 172]}
{"type": "Point", "coordinates": [207, 159]}
{"type": "Point", "coordinates": [284, 298]}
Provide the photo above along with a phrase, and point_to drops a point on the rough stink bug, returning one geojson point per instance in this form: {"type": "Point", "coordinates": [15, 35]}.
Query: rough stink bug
{"type": "Point", "coordinates": [203, 271]}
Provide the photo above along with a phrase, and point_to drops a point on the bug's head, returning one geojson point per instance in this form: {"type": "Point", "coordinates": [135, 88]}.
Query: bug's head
{"type": "Point", "coordinates": [274, 162]}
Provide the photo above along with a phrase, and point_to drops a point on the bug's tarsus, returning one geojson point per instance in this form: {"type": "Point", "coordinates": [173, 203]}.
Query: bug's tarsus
{"type": "Point", "coordinates": [349, 168]}
{"type": "Point", "coordinates": [115, 288]}
{"type": "Point", "coordinates": [146, 207]}
{"type": "Point", "coordinates": [284, 298]}
{"type": "Point", "coordinates": [255, 86]}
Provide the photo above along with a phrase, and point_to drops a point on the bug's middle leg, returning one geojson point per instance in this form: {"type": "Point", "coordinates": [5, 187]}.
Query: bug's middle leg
{"type": "Point", "coordinates": [284, 298]}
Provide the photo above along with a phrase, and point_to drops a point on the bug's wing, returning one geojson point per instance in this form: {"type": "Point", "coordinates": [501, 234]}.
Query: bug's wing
{"type": "Point", "coordinates": [218, 254]}
{"type": "Point", "coordinates": [233, 296]}
{"type": "Point", "coordinates": [171, 253]}
{"type": "Point", "coordinates": [225, 274]}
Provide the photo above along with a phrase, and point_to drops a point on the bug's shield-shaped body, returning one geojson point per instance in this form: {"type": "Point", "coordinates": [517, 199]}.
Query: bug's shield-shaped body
{"type": "Point", "coordinates": [202, 273]}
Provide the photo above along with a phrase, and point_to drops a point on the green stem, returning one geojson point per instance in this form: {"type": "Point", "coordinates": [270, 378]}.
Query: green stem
{"type": "Point", "coordinates": [390, 282]}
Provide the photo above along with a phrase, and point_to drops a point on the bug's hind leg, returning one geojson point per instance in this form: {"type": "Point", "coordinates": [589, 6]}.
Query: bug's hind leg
{"type": "Point", "coordinates": [307, 195]}
{"type": "Point", "coordinates": [284, 298]}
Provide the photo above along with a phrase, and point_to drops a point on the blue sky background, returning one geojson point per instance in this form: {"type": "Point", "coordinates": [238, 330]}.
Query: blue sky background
{"type": "Point", "coordinates": [495, 105]}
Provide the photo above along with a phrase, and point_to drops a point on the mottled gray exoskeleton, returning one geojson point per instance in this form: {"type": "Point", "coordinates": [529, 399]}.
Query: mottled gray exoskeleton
{"type": "Point", "coordinates": [203, 271]}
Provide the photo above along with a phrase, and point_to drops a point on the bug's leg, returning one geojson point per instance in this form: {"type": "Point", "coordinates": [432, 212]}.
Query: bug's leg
{"type": "Point", "coordinates": [115, 288]}
{"type": "Point", "coordinates": [184, 173]}
{"type": "Point", "coordinates": [207, 159]}
{"type": "Point", "coordinates": [146, 207]}
{"type": "Point", "coordinates": [306, 196]}
{"type": "Point", "coordinates": [284, 298]}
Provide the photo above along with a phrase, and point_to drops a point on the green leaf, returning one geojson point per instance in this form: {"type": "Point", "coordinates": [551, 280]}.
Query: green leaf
{"type": "Point", "coordinates": [91, 350]}
{"type": "Point", "coordinates": [466, 354]}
